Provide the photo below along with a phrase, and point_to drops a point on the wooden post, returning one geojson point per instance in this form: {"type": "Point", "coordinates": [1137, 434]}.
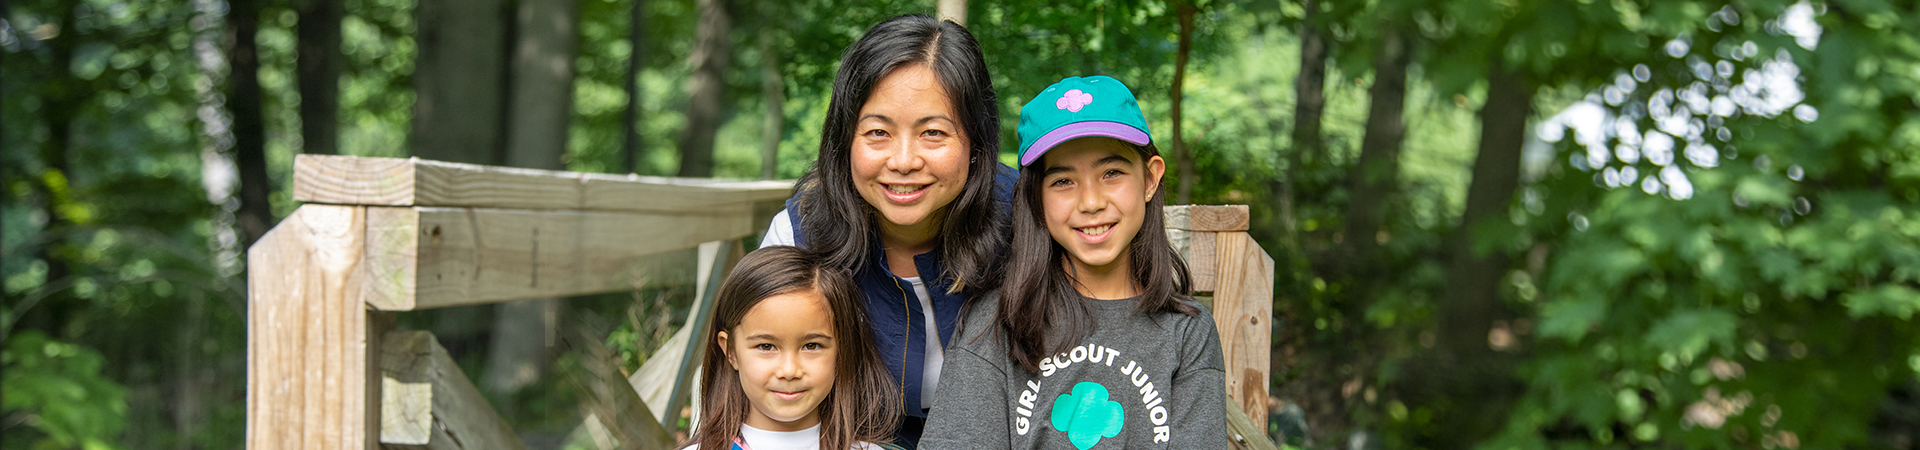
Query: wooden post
{"type": "Point", "coordinates": [427, 403]}
{"type": "Point", "coordinates": [1227, 263]}
{"type": "Point", "coordinates": [310, 382]}
{"type": "Point", "coordinates": [715, 260]}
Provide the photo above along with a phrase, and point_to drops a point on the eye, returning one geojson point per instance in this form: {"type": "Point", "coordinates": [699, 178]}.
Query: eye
{"type": "Point", "coordinates": [1114, 173]}
{"type": "Point", "coordinates": [1060, 182]}
{"type": "Point", "coordinates": [764, 347]}
{"type": "Point", "coordinates": [935, 133]}
{"type": "Point", "coordinates": [813, 346]}
{"type": "Point", "coordinates": [875, 133]}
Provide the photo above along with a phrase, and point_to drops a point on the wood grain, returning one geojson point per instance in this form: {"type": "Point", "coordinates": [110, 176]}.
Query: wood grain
{"type": "Point", "coordinates": [350, 180]}
{"type": "Point", "coordinates": [433, 257]}
{"type": "Point", "coordinates": [307, 334]}
{"type": "Point", "coordinates": [1243, 312]}
{"type": "Point", "coordinates": [1207, 217]}
{"type": "Point", "coordinates": [428, 403]}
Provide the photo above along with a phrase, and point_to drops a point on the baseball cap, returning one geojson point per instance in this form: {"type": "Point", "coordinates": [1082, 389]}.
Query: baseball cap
{"type": "Point", "coordinates": [1079, 107]}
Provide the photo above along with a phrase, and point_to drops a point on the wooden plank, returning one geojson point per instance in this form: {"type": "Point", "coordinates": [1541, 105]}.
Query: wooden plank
{"type": "Point", "coordinates": [1202, 260]}
{"type": "Point", "coordinates": [1207, 217]}
{"type": "Point", "coordinates": [610, 401]}
{"type": "Point", "coordinates": [434, 257]}
{"type": "Point", "coordinates": [1242, 433]}
{"type": "Point", "coordinates": [1243, 312]}
{"type": "Point", "coordinates": [351, 180]}
{"type": "Point", "coordinates": [427, 403]}
{"type": "Point", "coordinates": [715, 261]}
{"type": "Point", "coordinates": [308, 334]}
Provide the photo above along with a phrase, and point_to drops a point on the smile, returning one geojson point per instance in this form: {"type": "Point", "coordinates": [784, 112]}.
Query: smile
{"type": "Point", "coordinates": [1097, 233]}
{"type": "Point", "coordinates": [789, 396]}
{"type": "Point", "coordinates": [905, 193]}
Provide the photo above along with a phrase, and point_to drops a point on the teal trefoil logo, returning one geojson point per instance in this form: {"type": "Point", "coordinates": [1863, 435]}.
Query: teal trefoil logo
{"type": "Point", "coordinates": [1087, 416]}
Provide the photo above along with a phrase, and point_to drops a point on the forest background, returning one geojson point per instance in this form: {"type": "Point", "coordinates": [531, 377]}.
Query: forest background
{"type": "Point", "coordinates": [1504, 224]}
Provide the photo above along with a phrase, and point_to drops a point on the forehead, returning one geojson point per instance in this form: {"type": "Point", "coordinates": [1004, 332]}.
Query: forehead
{"type": "Point", "coordinates": [794, 313]}
{"type": "Point", "coordinates": [912, 92]}
{"type": "Point", "coordinates": [1087, 151]}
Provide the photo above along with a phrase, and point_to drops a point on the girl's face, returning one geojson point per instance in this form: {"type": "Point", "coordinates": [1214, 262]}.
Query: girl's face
{"type": "Point", "coordinates": [784, 350]}
{"type": "Point", "coordinates": [1094, 191]}
{"type": "Point", "coordinates": [909, 156]}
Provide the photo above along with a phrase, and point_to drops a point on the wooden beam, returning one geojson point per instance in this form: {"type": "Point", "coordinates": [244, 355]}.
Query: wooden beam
{"type": "Point", "coordinates": [1243, 312]}
{"type": "Point", "coordinates": [350, 180]}
{"type": "Point", "coordinates": [430, 257]}
{"type": "Point", "coordinates": [427, 403]}
{"type": "Point", "coordinates": [309, 383]}
{"type": "Point", "coordinates": [609, 401]}
{"type": "Point", "coordinates": [1207, 217]}
{"type": "Point", "coordinates": [1242, 433]}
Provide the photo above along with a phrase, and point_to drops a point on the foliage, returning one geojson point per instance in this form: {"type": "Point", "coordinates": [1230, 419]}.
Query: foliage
{"type": "Point", "coordinates": [59, 388]}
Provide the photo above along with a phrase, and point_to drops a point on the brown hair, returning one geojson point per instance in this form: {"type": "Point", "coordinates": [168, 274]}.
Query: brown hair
{"type": "Point", "coordinates": [855, 411]}
{"type": "Point", "coordinates": [1038, 294]}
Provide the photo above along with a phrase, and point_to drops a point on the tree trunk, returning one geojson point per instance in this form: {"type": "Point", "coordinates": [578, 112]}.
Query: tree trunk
{"type": "Point", "coordinates": [459, 78]}
{"type": "Point", "coordinates": [711, 54]}
{"type": "Point", "coordinates": [1310, 99]}
{"type": "Point", "coordinates": [1374, 175]}
{"type": "Point", "coordinates": [1467, 367]}
{"type": "Point", "coordinates": [954, 10]}
{"type": "Point", "coordinates": [318, 70]}
{"type": "Point", "coordinates": [773, 92]}
{"type": "Point", "coordinates": [630, 129]}
{"type": "Point", "coordinates": [542, 104]}
{"type": "Point", "coordinates": [1184, 12]}
{"type": "Point", "coordinates": [249, 129]}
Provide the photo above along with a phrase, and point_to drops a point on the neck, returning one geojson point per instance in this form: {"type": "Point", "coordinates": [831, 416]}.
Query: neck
{"type": "Point", "coordinates": [1109, 282]}
{"type": "Point", "coordinates": [902, 242]}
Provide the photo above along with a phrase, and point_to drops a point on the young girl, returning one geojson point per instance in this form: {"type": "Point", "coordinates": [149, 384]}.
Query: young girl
{"type": "Point", "coordinates": [1093, 341]}
{"type": "Point", "coordinates": [791, 364]}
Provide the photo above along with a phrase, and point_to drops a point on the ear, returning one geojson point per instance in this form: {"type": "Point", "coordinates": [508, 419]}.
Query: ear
{"type": "Point", "coordinates": [726, 350]}
{"type": "Point", "coordinates": [1156, 167]}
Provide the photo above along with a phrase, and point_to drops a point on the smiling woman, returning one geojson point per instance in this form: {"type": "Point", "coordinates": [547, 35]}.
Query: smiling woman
{"type": "Point", "coordinates": [908, 194]}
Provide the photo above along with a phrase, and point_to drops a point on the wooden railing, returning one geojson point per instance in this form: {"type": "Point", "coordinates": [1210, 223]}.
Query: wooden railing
{"type": "Point", "coordinates": [326, 369]}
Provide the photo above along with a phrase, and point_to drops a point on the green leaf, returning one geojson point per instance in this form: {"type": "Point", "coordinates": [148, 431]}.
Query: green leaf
{"type": "Point", "coordinates": [1571, 318]}
{"type": "Point", "coordinates": [1687, 333]}
{"type": "Point", "coordinates": [1892, 300]}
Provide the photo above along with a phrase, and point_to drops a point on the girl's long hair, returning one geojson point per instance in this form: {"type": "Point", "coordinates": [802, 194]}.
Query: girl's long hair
{"type": "Point", "coordinates": [1039, 296]}
{"type": "Point", "coordinates": [858, 409]}
{"type": "Point", "coordinates": [833, 216]}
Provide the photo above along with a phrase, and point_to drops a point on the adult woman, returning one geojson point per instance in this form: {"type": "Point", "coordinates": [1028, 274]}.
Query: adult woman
{"type": "Point", "coordinates": [908, 192]}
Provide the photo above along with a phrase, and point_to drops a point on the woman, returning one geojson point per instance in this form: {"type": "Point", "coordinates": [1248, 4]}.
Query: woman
{"type": "Point", "coordinates": [908, 193]}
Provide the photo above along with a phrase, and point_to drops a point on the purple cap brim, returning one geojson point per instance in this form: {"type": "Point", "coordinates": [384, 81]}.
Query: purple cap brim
{"type": "Point", "coordinates": [1078, 130]}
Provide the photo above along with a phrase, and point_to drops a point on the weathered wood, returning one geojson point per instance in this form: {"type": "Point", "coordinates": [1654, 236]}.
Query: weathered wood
{"type": "Point", "coordinates": [353, 180]}
{"type": "Point", "coordinates": [308, 364]}
{"type": "Point", "coordinates": [1242, 433]}
{"type": "Point", "coordinates": [716, 260]}
{"type": "Point", "coordinates": [610, 402]}
{"type": "Point", "coordinates": [432, 257]}
{"type": "Point", "coordinates": [427, 403]}
{"type": "Point", "coordinates": [1243, 312]}
{"type": "Point", "coordinates": [1201, 259]}
{"type": "Point", "coordinates": [1207, 217]}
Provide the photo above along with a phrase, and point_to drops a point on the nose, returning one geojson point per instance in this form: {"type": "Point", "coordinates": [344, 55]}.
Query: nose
{"type": "Point", "coordinates": [789, 367]}
{"type": "Point", "coordinates": [905, 156]}
{"type": "Point", "coordinates": [1091, 199]}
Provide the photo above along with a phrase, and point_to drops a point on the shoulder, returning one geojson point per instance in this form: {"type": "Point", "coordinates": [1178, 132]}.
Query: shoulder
{"type": "Point", "coordinates": [780, 232]}
{"type": "Point", "coordinates": [978, 322]}
{"type": "Point", "coordinates": [875, 446]}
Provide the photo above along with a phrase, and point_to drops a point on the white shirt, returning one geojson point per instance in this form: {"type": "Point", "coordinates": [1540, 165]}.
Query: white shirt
{"type": "Point", "coordinates": [808, 439]}
{"type": "Point", "coordinates": [780, 232]}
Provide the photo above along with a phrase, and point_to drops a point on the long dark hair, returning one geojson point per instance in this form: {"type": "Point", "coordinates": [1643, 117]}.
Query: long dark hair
{"type": "Point", "coordinates": [856, 410]}
{"type": "Point", "coordinates": [1039, 295]}
{"type": "Point", "coordinates": [835, 219]}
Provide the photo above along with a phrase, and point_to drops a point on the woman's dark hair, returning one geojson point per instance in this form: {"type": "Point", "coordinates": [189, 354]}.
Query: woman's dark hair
{"type": "Point", "coordinates": [856, 410]}
{"type": "Point", "coordinates": [833, 216]}
{"type": "Point", "coordinates": [1039, 294]}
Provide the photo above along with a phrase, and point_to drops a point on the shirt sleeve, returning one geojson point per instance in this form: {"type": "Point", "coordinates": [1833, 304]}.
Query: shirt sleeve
{"type": "Point", "coordinates": [970, 409]}
{"type": "Point", "coordinates": [780, 232]}
{"type": "Point", "coordinates": [1200, 390]}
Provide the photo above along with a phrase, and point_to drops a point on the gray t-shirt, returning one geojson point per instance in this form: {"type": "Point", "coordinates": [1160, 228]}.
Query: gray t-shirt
{"type": "Point", "coordinates": [1136, 382]}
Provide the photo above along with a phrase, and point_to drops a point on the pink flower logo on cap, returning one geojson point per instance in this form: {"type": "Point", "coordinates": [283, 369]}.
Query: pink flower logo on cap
{"type": "Point", "coordinates": [1074, 100]}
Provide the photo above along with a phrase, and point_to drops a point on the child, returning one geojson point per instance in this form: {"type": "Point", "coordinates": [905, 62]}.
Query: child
{"type": "Point", "coordinates": [1093, 341]}
{"type": "Point", "coordinates": [791, 364]}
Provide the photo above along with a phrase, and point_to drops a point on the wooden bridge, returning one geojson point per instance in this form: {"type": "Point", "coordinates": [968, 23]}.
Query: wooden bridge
{"type": "Point", "coordinates": [327, 370]}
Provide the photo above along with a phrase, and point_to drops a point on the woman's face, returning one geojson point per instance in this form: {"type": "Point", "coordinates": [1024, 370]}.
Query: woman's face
{"type": "Point", "coordinates": [909, 153]}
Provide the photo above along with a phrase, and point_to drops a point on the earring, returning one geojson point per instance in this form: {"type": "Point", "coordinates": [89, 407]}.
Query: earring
{"type": "Point", "coordinates": [973, 160]}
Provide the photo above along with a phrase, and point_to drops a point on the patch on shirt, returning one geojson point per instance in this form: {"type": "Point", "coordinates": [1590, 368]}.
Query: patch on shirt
{"type": "Point", "coordinates": [1088, 414]}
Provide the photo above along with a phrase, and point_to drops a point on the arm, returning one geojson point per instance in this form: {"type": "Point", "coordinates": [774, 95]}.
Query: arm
{"type": "Point", "coordinates": [970, 408]}
{"type": "Point", "coordinates": [1199, 417]}
{"type": "Point", "coordinates": [780, 232]}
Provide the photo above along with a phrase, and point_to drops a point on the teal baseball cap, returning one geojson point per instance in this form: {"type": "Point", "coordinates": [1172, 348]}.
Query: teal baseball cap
{"type": "Point", "coordinates": [1079, 107]}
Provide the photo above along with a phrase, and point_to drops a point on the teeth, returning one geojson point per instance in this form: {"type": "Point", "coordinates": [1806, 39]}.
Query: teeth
{"type": "Point", "coordinates": [1095, 231]}
{"type": "Point", "coordinates": [903, 188]}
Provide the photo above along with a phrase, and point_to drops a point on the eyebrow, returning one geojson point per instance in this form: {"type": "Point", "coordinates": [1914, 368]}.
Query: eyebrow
{"type": "Point", "coordinates": [1110, 159]}
{"type": "Point", "coordinates": [922, 121]}
{"type": "Point", "coordinates": [771, 337]}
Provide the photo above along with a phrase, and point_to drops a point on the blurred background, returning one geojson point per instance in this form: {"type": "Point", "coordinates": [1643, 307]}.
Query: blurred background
{"type": "Point", "coordinates": [1504, 224]}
